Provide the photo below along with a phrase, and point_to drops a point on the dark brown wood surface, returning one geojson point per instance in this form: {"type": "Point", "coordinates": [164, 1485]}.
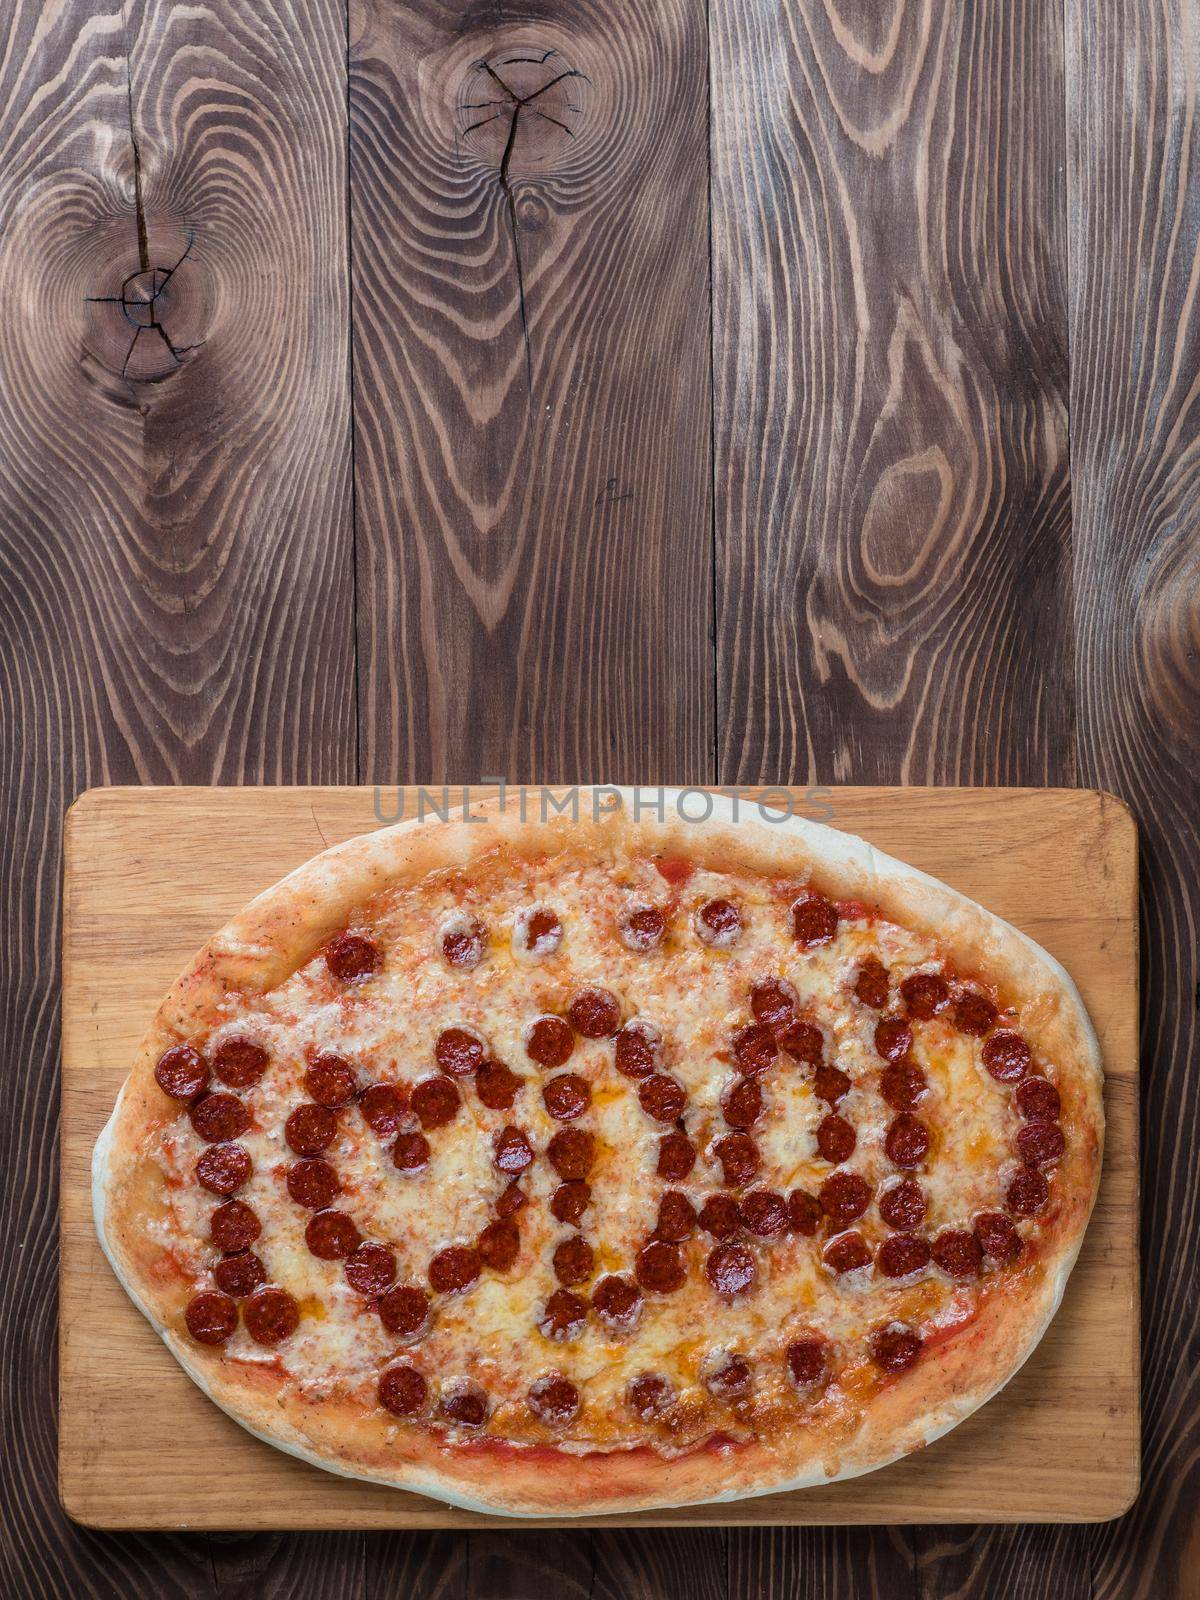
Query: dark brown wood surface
{"type": "Point", "coordinates": [817, 399]}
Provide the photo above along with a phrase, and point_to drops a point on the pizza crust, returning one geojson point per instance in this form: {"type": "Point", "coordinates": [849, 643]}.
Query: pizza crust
{"type": "Point", "coordinates": [280, 931]}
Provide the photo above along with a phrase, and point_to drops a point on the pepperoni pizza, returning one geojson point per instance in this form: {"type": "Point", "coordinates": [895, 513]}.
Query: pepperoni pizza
{"type": "Point", "coordinates": [594, 1164]}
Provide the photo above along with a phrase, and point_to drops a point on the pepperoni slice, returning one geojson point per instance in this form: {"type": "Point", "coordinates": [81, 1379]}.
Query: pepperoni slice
{"type": "Point", "coordinates": [573, 1260]}
{"type": "Point", "coordinates": [271, 1315]}
{"type": "Point", "coordinates": [743, 1103]}
{"type": "Point", "coordinates": [662, 1098]}
{"type": "Point", "coordinates": [642, 927]}
{"type": "Point", "coordinates": [903, 1205]}
{"type": "Point", "coordinates": [1007, 1057]}
{"type": "Point", "coordinates": [595, 1013]}
{"type": "Point", "coordinates": [549, 1041]}
{"type": "Point", "coordinates": [997, 1236]}
{"type": "Point", "coordinates": [499, 1245]}
{"type": "Point", "coordinates": [463, 942]}
{"type": "Point", "coordinates": [571, 1152]}
{"type": "Point", "coordinates": [1037, 1100]}
{"type": "Point", "coordinates": [330, 1081]}
{"type": "Point", "coordinates": [844, 1196]}
{"type": "Point", "coordinates": [958, 1253]}
{"type": "Point", "coordinates": [1040, 1144]}
{"type": "Point", "coordinates": [617, 1301]}
{"type": "Point", "coordinates": [836, 1139]}
{"type": "Point", "coordinates": [649, 1395]}
{"type": "Point", "coordinates": [738, 1155]}
{"type": "Point", "coordinates": [566, 1096]}
{"type": "Point", "coordinates": [554, 1400]}
{"type": "Point", "coordinates": [721, 1216]}
{"type": "Point", "coordinates": [814, 920]}
{"type": "Point", "coordinates": [871, 985]}
{"type": "Point", "coordinates": [925, 995]}
{"type": "Point", "coordinates": [773, 1001]}
{"type": "Point", "coordinates": [902, 1254]}
{"type": "Point", "coordinates": [497, 1086]}
{"type": "Point", "coordinates": [239, 1274]}
{"type": "Point", "coordinates": [211, 1317]}
{"type": "Point", "coordinates": [382, 1107]}
{"type": "Point", "coordinates": [331, 1235]}
{"type": "Point", "coordinates": [638, 1049]}
{"type": "Point", "coordinates": [512, 1200]}
{"type": "Point", "coordinates": [1027, 1193]}
{"type": "Point", "coordinates": [804, 1212]}
{"type": "Point", "coordinates": [830, 1084]}
{"type": "Point", "coordinates": [404, 1310]}
{"type": "Point", "coordinates": [370, 1269]}
{"type": "Point", "coordinates": [234, 1226]}
{"type": "Point", "coordinates": [754, 1048]}
{"type": "Point", "coordinates": [570, 1200]}
{"type": "Point", "coordinates": [676, 1157]}
{"type": "Point", "coordinates": [454, 1269]}
{"type": "Point", "coordinates": [218, 1117]}
{"type": "Point", "coordinates": [181, 1072]}
{"type": "Point", "coordinates": [403, 1391]}
{"type": "Point", "coordinates": [660, 1267]}
{"type": "Point", "coordinates": [410, 1153]}
{"type": "Point", "coordinates": [435, 1102]}
{"type": "Point", "coordinates": [804, 1042]}
{"type": "Point", "coordinates": [807, 1361]}
{"type": "Point", "coordinates": [847, 1253]}
{"type": "Point", "coordinates": [223, 1168]}
{"type": "Point", "coordinates": [676, 1217]}
{"type": "Point", "coordinates": [730, 1379]}
{"type": "Point", "coordinates": [310, 1129]}
{"type": "Point", "coordinates": [239, 1063]}
{"type": "Point", "coordinates": [511, 1151]}
{"type": "Point", "coordinates": [763, 1212]}
{"type": "Point", "coordinates": [730, 1269]}
{"type": "Point", "coordinates": [974, 1013]}
{"type": "Point", "coordinates": [903, 1085]}
{"type": "Point", "coordinates": [458, 1052]}
{"type": "Point", "coordinates": [351, 958]}
{"type": "Point", "coordinates": [537, 931]}
{"type": "Point", "coordinates": [893, 1038]}
{"type": "Point", "coordinates": [907, 1141]}
{"type": "Point", "coordinates": [895, 1347]}
{"type": "Point", "coordinates": [718, 923]}
{"type": "Point", "coordinates": [466, 1404]}
{"type": "Point", "coordinates": [563, 1316]}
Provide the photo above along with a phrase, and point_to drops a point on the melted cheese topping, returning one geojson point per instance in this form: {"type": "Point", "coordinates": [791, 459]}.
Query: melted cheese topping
{"type": "Point", "coordinates": [698, 994]}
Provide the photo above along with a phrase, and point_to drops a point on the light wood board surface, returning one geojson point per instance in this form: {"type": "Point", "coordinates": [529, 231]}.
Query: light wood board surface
{"type": "Point", "coordinates": [150, 873]}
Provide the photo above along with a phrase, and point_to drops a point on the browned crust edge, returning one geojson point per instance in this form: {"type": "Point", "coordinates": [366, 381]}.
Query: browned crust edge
{"type": "Point", "coordinates": [281, 929]}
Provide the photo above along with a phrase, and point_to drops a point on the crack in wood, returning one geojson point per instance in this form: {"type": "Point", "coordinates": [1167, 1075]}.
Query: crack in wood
{"type": "Point", "coordinates": [133, 306]}
{"type": "Point", "coordinates": [519, 103]}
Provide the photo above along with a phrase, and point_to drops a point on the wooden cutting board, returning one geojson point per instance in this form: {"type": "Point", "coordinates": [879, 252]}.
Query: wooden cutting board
{"type": "Point", "coordinates": [150, 873]}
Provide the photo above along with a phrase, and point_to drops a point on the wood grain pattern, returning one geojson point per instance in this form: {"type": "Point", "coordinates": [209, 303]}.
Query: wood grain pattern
{"type": "Point", "coordinates": [1135, 250]}
{"type": "Point", "coordinates": [531, 354]}
{"type": "Point", "coordinates": [892, 507]}
{"type": "Point", "coordinates": [142, 894]}
{"type": "Point", "coordinates": [174, 544]}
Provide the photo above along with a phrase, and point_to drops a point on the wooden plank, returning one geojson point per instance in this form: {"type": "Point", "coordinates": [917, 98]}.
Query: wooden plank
{"type": "Point", "coordinates": [142, 894]}
{"type": "Point", "coordinates": [174, 554]}
{"type": "Point", "coordinates": [531, 353]}
{"type": "Point", "coordinates": [891, 475]}
{"type": "Point", "coordinates": [892, 522]}
{"type": "Point", "coordinates": [1134, 79]}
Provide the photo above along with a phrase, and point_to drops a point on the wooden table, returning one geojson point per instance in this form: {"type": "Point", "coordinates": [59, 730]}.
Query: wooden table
{"type": "Point", "coordinates": [754, 391]}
